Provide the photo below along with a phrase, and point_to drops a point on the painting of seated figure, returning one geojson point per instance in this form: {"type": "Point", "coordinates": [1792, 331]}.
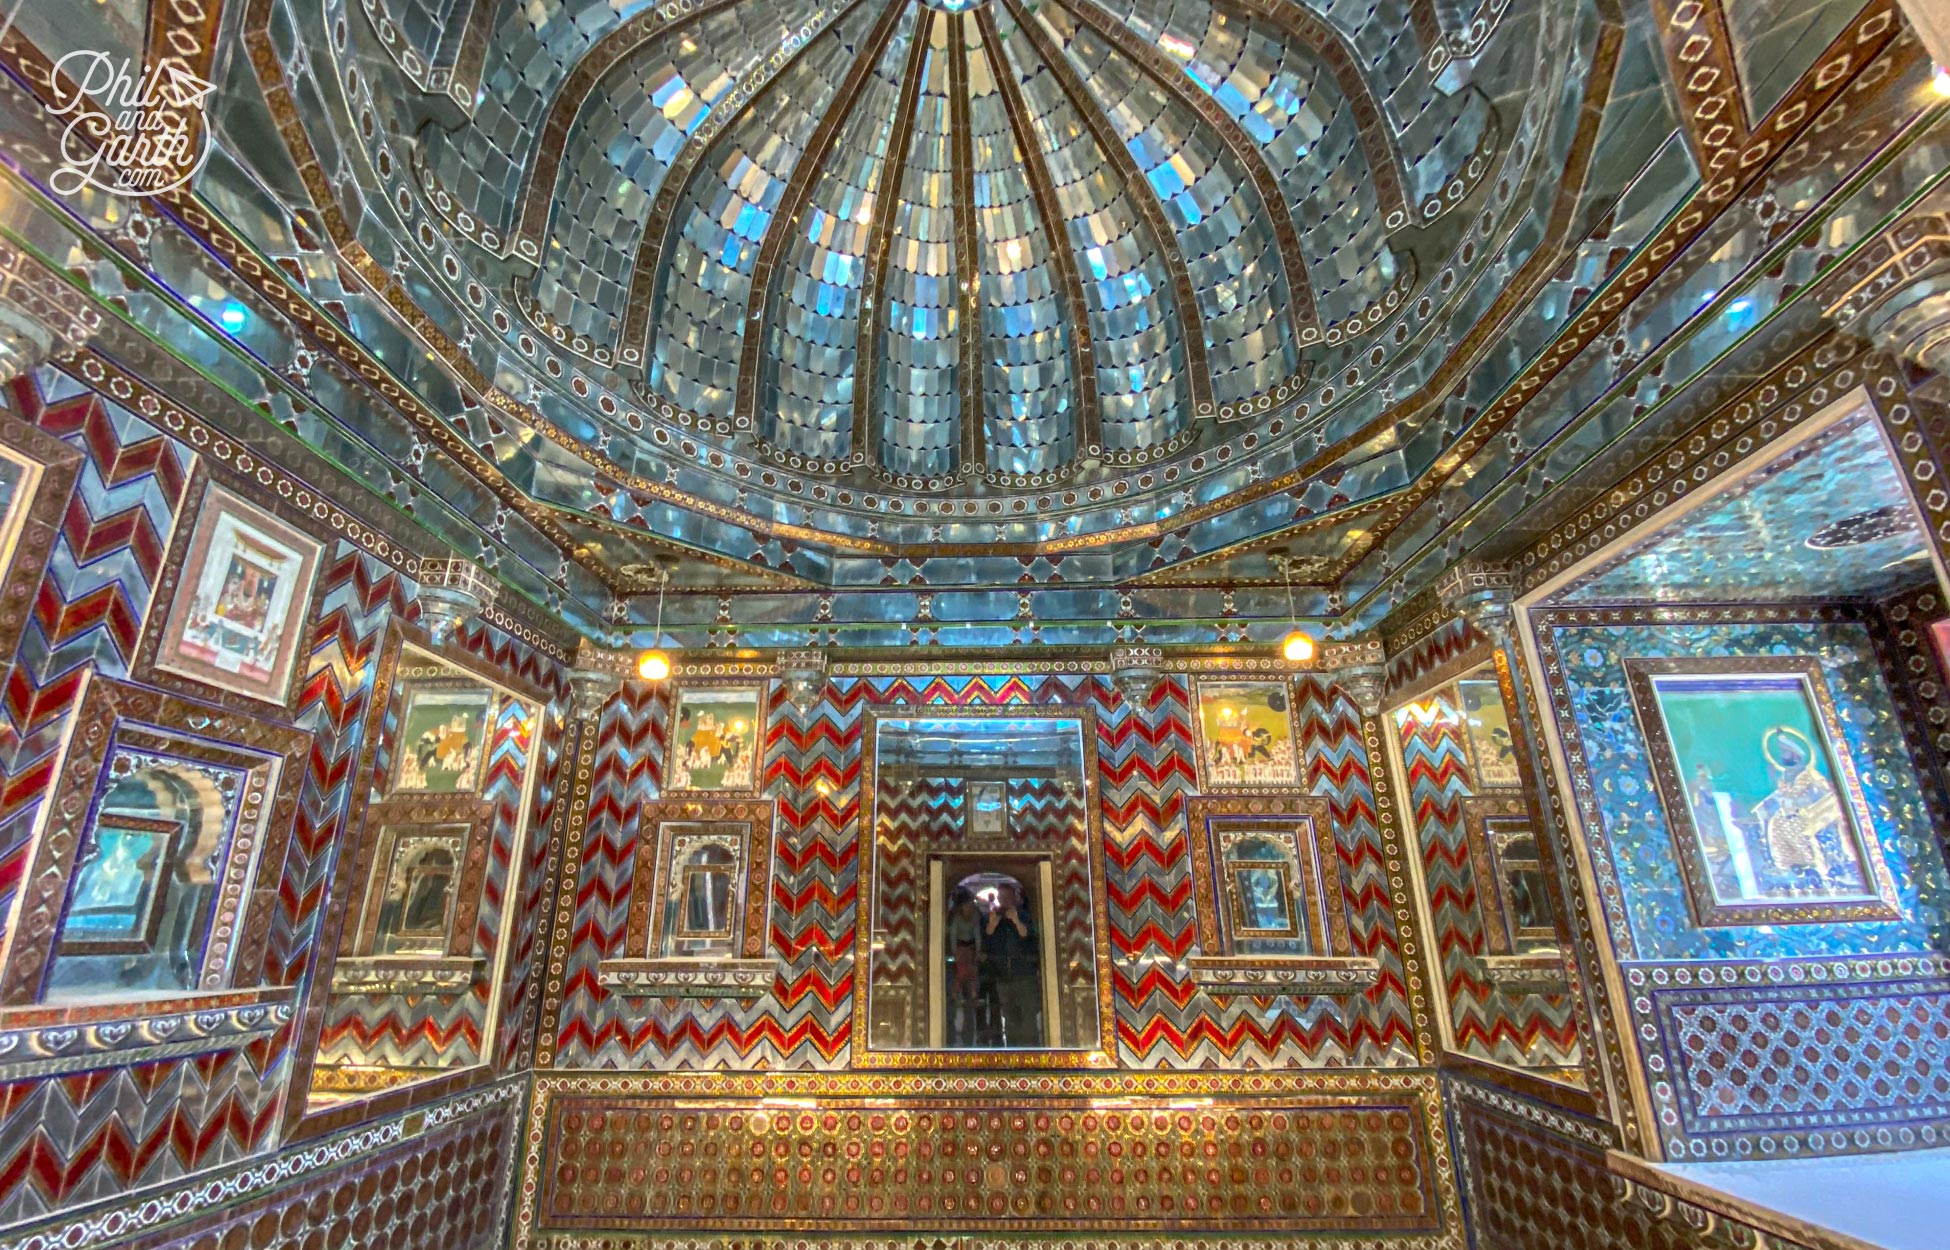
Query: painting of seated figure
{"type": "Point", "coordinates": [1758, 787]}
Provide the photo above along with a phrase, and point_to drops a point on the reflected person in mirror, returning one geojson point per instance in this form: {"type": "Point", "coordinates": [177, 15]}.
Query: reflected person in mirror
{"type": "Point", "coordinates": [1014, 959]}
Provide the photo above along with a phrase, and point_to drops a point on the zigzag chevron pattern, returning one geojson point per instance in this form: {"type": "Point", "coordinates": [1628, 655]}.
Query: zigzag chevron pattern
{"type": "Point", "coordinates": [1414, 668]}
{"type": "Point", "coordinates": [89, 607]}
{"type": "Point", "coordinates": [1163, 1020]}
{"type": "Point", "coordinates": [523, 985]}
{"type": "Point", "coordinates": [1145, 771]}
{"type": "Point", "coordinates": [1520, 1029]}
{"type": "Point", "coordinates": [444, 1030]}
{"type": "Point", "coordinates": [360, 595]}
{"type": "Point", "coordinates": [76, 1139]}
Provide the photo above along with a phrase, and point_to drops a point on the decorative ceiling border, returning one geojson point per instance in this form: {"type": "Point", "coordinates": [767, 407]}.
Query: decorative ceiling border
{"type": "Point", "coordinates": [246, 466]}
{"type": "Point", "coordinates": [1873, 30]}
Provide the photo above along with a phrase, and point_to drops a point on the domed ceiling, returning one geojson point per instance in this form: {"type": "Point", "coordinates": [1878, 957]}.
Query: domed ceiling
{"type": "Point", "coordinates": [943, 246]}
{"type": "Point", "coordinates": [913, 321]}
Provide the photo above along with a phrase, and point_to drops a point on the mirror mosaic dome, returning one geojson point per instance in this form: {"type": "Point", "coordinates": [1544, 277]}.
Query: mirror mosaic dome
{"type": "Point", "coordinates": [949, 254]}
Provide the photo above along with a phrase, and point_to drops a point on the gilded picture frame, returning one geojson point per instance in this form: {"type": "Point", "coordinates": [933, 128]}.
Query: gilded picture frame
{"type": "Point", "coordinates": [240, 600]}
{"type": "Point", "coordinates": [980, 819]}
{"type": "Point", "coordinates": [1491, 825]}
{"type": "Point", "coordinates": [1491, 737]}
{"type": "Point", "coordinates": [1304, 826]}
{"type": "Point", "coordinates": [1246, 735]}
{"type": "Point", "coordinates": [1790, 856]}
{"type": "Point", "coordinates": [716, 739]}
{"type": "Point", "coordinates": [1095, 1048]}
{"type": "Point", "coordinates": [467, 848]}
{"type": "Point", "coordinates": [746, 823]}
{"type": "Point", "coordinates": [442, 740]}
{"type": "Point", "coordinates": [112, 715]}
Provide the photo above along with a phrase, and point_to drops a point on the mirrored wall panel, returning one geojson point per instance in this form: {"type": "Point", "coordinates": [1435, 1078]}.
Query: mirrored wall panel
{"type": "Point", "coordinates": [980, 928]}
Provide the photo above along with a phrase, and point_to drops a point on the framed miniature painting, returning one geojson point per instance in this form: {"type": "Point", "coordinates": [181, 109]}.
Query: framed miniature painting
{"type": "Point", "coordinates": [442, 738]}
{"type": "Point", "coordinates": [237, 620]}
{"type": "Point", "coordinates": [1759, 791]}
{"type": "Point", "coordinates": [714, 740]}
{"type": "Point", "coordinates": [988, 809]}
{"type": "Point", "coordinates": [1486, 723]}
{"type": "Point", "coordinates": [1246, 736]}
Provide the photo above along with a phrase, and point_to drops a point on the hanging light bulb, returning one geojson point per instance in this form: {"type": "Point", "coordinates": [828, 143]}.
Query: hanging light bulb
{"type": "Point", "coordinates": [654, 664]}
{"type": "Point", "coordinates": [1940, 79]}
{"type": "Point", "coordinates": [1298, 646]}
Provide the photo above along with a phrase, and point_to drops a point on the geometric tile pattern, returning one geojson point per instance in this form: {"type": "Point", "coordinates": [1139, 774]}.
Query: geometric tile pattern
{"type": "Point", "coordinates": [1440, 654]}
{"type": "Point", "coordinates": [93, 592]}
{"type": "Point", "coordinates": [77, 1139]}
{"type": "Point", "coordinates": [812, 766]}
{"type": "Point", "coordinates": [92, 1135]}
{"type": "Point", "coordinates": [445, 1190]}
{"type": "Point", "coordinates": [87, 1136]}
{"type": "Point", "coordinates": [330, 1192]}
{"type": "Point", "coordinates": [1702, 999]}
{"type": "Point", "coordinates": [1852, 1060]}
{"type": "Point", "coordinates": [1535, 1179]}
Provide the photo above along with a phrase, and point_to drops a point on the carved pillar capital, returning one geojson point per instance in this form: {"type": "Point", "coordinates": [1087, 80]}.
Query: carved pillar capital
{"type": "Point", "coordinates": [1481, 594]}
{"type": "Point", "coordinates": [452, 591]}
{"type": "Point", "coordinates": [804, 675]}
{"type": "Point", "coordinates": [42, 316]}
{"type": "Point", "coordinates": [1896, 292]}
{"type": "Point", "coordinates": [596, 676]}
{"type": "Point", "coordinates": [1359, 667]}
{"type": "Point", "coordinates": [1135, 672]}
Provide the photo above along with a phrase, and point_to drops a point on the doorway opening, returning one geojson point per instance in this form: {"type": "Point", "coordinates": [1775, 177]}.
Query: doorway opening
{"type": "Point", "coordinates": [992, 953]}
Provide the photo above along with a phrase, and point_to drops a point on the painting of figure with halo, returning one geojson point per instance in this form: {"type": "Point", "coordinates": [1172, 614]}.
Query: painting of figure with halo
{"type": "Point", "coordinates": [1754, 782]}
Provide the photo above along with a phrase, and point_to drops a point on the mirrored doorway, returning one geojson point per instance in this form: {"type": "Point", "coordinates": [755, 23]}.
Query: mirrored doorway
{"type": "Point", "coordinates": [981, 935]}
{"type": "Point", "coordinates": [992, 953]}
